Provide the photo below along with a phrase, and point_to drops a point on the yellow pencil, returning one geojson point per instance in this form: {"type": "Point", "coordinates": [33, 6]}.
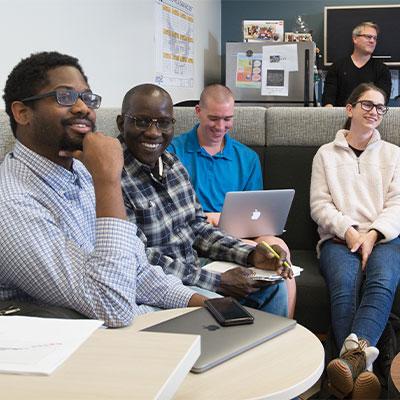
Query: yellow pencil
{"type": "Point", "coordinates": [275, 254]}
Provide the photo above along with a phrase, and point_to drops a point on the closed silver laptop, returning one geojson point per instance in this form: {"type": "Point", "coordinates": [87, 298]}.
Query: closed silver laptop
{"type": "Point", "coordinates": [256, 213]}
{"type": "Point", "coordinates": [218, 343]}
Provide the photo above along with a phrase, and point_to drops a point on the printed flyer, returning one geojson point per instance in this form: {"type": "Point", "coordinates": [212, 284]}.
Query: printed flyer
{"type": "Point", "coordinates": [248, 70]}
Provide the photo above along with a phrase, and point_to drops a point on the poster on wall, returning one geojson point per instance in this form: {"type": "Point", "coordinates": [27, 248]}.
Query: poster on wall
{"type": "Point", "coordinates": [275, 82]}
{"type": "Point", "coordinates": [277, 62]}
{"type": "Point", "coordinates": [248, 70]}
{"type": "Point", "coordinates": [174, 41]}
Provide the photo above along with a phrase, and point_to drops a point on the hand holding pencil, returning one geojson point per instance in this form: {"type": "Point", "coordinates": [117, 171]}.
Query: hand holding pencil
{"type": "Point", "coordinates": [270, 258]}
{"type": "Point", "coordinates": [275, 254]}
{"type": "Point", "coordinates": [286, 270]}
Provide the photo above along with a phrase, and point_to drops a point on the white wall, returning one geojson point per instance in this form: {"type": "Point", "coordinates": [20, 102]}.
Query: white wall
{"type": "Point", "coordinates": [113, 39]}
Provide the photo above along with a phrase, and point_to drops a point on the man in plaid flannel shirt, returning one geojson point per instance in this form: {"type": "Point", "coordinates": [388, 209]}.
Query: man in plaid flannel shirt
{"type": "Point", "coordinates": [161, 201]}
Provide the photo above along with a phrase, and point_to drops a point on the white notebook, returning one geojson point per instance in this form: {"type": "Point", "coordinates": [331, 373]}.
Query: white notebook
{"type": "Point", "coordinates": [259, 274]}
{"type": "Point", "coordinates": [37, 346]}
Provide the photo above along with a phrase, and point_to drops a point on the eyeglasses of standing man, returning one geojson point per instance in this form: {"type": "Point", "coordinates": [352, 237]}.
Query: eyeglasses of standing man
{"type": "Point", "coordinates": [368, 37]}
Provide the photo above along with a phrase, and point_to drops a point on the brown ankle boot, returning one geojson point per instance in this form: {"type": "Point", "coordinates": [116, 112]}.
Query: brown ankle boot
{"type": "Point", "coordinates": [366, 386]}
{"type": "Point", "coordinates": [344, 370]}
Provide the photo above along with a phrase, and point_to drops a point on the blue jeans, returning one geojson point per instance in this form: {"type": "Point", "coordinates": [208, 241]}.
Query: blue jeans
{"type": "Point", "coordinates": [272, 299]}
{"type": "Point", "coordinates": [360, 301]}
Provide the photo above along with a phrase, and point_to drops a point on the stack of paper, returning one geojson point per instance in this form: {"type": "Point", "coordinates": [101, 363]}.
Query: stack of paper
{"type": "Point", "coordinates": [259, 274]}
{"type": "Point", "coordinates": [31, 345]}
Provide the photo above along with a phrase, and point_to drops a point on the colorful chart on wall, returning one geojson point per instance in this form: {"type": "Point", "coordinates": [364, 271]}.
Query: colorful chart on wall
{"type": "Point", "coordinates": [174, 41]}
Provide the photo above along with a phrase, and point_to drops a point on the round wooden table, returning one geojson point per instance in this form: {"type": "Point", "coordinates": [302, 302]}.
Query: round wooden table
{"type": "Point", "coordinates": [394, 379]}
{"type": "Point", "coordinates": [124, 364]}
{"type": "Point", "coordinates": [281, 368]}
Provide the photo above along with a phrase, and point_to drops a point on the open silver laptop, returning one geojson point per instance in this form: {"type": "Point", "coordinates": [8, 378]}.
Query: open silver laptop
{"type": "Point", "coordinates": [219, 343]}
{"type": "Point", "coordinates": [256, 213]}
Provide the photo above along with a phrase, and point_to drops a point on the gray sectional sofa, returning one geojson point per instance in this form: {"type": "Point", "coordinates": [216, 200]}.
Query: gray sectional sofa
{"type": "Point", "coordinates": [286, 139]}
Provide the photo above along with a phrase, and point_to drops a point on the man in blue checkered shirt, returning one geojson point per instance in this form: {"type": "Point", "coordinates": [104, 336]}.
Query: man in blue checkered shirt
{"type": "Point", "coordinates": [64, 237]}
{"type": "Point", "coordinates": [161, 201]}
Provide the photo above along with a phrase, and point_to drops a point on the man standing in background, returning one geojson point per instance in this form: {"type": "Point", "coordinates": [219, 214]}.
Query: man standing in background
{"type": "Point", "coordinates": [346, 74]}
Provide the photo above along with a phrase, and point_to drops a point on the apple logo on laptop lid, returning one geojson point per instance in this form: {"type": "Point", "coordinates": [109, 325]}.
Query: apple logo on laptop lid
{"type": "Point", "coordinates": [255, 215]}
{"type": "Point", "coordinates": [211, 327]}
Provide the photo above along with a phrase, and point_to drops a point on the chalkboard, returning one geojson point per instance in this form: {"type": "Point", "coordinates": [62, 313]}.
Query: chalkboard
{"type": "Point", "coordinates": [339, 23]}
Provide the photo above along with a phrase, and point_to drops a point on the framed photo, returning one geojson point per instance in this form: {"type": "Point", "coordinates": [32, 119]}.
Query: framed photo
{"type": "Point", "coordinates": [255, 31]}
{"type": "Point", "coordinates": [298, 37]}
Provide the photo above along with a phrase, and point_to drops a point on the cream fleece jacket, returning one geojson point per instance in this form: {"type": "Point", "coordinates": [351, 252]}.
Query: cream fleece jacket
{"type": "Point", "coordinates": [363, 192]}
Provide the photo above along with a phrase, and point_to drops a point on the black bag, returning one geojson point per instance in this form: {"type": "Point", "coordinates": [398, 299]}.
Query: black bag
{"type": "Point", "coordinates": [331, 352]}
{"type": "Point", "coordinates": [36, 309]}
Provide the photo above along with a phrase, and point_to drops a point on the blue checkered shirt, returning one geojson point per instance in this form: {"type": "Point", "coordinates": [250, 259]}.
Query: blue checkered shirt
{"type": "Point", "coordinates": [171, 222]}
{"type": "Point", "coordinates": [54, 249]}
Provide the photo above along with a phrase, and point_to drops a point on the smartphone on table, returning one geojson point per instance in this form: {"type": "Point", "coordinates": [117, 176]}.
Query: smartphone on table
{"type": "Point", "coordinates": [228, 311]}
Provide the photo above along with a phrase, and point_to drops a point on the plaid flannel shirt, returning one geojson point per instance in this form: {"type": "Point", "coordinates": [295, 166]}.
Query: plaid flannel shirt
{"type": "Point", "coordinates": [171, 222]}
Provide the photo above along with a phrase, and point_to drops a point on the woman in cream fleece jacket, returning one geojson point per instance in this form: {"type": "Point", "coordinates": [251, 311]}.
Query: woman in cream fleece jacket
{"type": "Point", "coordinates": [355, 200]}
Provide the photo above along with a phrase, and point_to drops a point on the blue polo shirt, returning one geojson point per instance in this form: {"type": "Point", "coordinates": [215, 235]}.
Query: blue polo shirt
{"type": "Point", "coordinates": [235, 168]}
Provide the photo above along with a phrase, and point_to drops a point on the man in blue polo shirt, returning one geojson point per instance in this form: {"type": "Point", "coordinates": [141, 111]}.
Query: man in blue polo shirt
{"type": "Point", "coordinates": [217, 163]}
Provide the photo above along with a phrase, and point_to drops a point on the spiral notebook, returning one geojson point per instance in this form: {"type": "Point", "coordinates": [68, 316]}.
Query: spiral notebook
{"type": "Point", "coordinates": [259, 274]}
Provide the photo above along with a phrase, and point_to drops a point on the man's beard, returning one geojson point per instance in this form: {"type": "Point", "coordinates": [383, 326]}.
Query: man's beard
{"type": "Point", "coordinates": [71, 144]}
{"type": "Point", "coordinates": [75, 142]}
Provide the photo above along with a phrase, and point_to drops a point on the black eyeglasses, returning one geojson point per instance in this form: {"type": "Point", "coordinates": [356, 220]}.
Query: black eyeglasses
{"type": "Point", "coordinates": [367, 105]}
{"type": "Point", "coordinates": [164, 124]}
{"type": "Point", "coordinates": [68, 97]}
{"type": "Point", "coordinates": [369, 37]}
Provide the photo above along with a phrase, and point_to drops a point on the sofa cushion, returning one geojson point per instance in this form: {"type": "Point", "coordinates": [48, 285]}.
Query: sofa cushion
{"type": "Point", "coordinates": [316, 126]}
{"type": "Point", "coordinates": [106, 121]}
{"type": "Point", "coordinates": [389, 128]}
{"type": "Point", "coordinates": [296, 126]}
{"type": "Point", "coordinates": [312, 304]}
{"type": "Point", "coordinates": [248, 128]}
{"type": "Point", "coordinates": [7, 139]}
{"type": "Point", "coordinates": [289, 167]}
{"type": "Point", "coordinates": [185, 119]}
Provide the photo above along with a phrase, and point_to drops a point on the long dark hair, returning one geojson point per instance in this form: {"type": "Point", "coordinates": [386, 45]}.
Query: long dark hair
{"type": "Point", "coordinates": [357, 93]}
